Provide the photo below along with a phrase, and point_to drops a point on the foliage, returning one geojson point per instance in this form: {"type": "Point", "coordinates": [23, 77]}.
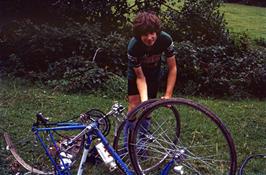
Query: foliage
{"type": "Point", "coordinates": [112, 54]}
{"type": "Point", "coordinates": [76, 74]}
{"type": "Point", "coordinates": [261, 42]}
{"type": "Point", "coordinates": [62, 53]}
{"type": "Point", "coordinates": [33, 49]}
{"type": "Point", "coordinates": [111, 13]}
{"type": "Point", "coordinates": [198, 21]}
{"type": "Point", "coordinates": [44, 52]}
{"type": "Point", "coordinates": [148, 5]}
{"type": "Point", "coordinates": [38, 45]}
{"type": "Point", "coordinates": [26, 8]}
{"type": "Point", "coordinates": [115, 87]}
{"type": "Point", "coordinates": [220, 70]}
{"type": "Point", "coordinates": [258, 81]}
{"type": "Point", "coordinates": [211, 61]}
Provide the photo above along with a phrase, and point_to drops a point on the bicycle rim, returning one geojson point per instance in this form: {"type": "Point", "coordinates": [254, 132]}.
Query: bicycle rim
{"type": "Point", "coordinates": [204, 145]}
{"type": "Point", "coordinates": [118, 143]}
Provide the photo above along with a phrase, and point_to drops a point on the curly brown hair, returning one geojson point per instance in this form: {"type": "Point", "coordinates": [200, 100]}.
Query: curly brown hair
{"type": "Point", "coordinates": [146, 22]}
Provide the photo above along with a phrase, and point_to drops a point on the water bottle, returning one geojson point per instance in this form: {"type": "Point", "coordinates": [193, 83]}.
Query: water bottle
{"type": "Point", "coordinates": [106, 157]}
{"type": "Point", "coordinates": [179, 170]}
{"type": "Point", "coordinates": [66, 160]}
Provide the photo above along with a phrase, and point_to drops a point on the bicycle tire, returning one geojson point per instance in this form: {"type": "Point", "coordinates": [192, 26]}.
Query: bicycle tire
{"type": "Point", "coordinates": [184, 148]}
{"type": "Point", "coordinates": [118, 137]}
{"type": "Point", "coordinates": [243, 168]}
{"type": "Point", "coordinates": [94, 115]}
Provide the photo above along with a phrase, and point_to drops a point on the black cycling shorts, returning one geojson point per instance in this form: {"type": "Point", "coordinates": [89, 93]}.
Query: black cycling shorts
{"type": "Point", "coordinates": [152, 85]}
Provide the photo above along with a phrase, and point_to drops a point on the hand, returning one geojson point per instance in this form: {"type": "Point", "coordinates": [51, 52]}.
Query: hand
{"type": "Point", "coordinates": [143, 100]}
{"type": "Point", "coordinates": [83, 118]}
{"type": "Point", "coordinates": [164, 98]}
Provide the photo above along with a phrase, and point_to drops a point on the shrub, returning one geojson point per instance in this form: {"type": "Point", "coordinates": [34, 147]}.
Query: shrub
{"type": "Point", "coordinates": [198, 21]}
{"type": "Point", "coordinates": [113, 53]}
{"type": "Point", "coordinates": [261, 42]}
{"type": "Point", "coordinates": [38, 45]}
{"type": "Point", "coordinates": [29, 48]}
{"type": "Point", "coordinates": [76, 74]}
{"type": "Point", "coordinates": [217, 71]}
{"type": "Point", "coordinates": [257, 78]}
{"type": "Point", "coordinates": [61, 53]}
{"type": "Point", "coordinates": [111, 14]}
{"type": "Point", "coordinates": [115, 87]}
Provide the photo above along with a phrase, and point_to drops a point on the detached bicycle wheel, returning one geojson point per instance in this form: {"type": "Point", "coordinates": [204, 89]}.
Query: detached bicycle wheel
{"type": "Point", "coordinates": [204, 145]}
{"type": "Point", "coordinates": [120, 144]}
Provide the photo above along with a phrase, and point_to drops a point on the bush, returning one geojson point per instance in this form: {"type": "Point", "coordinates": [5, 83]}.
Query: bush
{"type": "Point", "coordinates": [77, 74]}
{"type": "Point", "coordinates": [257, 79]}
{"type": "Point", "coordinates": [115, 87]}
{"type": "Point", "coordinates": [111, 14]}
{"type": "Point", "coordinates": [198, 21]}
{"type": "Point", "coordinates": [50, 52]}
{"type": "Point", "coordinates": [62, 53]}
{"type": "Point", "coordinates": [218, 71]}
{"type": "Point", "coordinates": [261, 42]}
{"type": "Point", "coordinates": [38, 45]}
{"type": "Point", "coordinates": [113, 53]}
{"type": "Point", "coordinates": [29, 49]}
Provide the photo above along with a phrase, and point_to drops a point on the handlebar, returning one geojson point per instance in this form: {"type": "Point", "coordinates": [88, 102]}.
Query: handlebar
{"type": "Point", "coordinates": [40, 119]}
{"type": "Point", "coordinates": [116, 111]}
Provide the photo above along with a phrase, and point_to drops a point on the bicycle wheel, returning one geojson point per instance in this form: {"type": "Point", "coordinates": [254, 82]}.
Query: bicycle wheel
{"type": "Point", "coordinates": [118, 143]}
{"type": "Point", "coordinates": [29, 156]}
{"type": "Point", "coordinates": [97, 115]}
{"type": "Point", "coordinates": [204, 145]}
{"type": "Point", "coordinates": [253, 165]}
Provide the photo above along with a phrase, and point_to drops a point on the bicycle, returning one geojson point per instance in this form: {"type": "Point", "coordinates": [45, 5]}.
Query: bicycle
{"type": "Point", "coordinates": [63, 154]}
{"type": "Point", "coordinates": [165, 146]}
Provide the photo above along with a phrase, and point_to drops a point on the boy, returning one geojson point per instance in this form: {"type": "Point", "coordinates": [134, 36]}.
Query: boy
{"type": "Point", "coordinates": [144, 62]}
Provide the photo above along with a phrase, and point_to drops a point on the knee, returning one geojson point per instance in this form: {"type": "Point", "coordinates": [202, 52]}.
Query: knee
{"type": "Point", "coordinates": [133, 101]}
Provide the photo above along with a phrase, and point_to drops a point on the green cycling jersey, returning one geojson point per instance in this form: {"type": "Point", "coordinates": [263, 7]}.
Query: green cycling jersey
{"type": "Point", "coordinates": [149, 58]}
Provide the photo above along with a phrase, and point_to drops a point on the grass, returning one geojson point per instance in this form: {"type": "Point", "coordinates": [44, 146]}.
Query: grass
{"type": "Point", "coordinates": [244, 18]}
{"type": "Point", "coordinates": [20, 102]}
{"type": "Point", "coordinates": [246, 119]}
{"type": "Point", "coordinates": [241, 18]}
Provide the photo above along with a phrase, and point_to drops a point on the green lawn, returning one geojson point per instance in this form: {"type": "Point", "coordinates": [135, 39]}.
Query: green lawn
{"type": "Point", "coordinates": [246, 119]}
{"type": "Point", "coordinates": [243, 18]}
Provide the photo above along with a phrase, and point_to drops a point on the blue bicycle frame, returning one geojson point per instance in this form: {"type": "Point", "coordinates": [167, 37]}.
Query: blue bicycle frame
{"type": "Point", "coordinates": [91, 129]}
{"type": "Point", "coordinates": [88, 131]}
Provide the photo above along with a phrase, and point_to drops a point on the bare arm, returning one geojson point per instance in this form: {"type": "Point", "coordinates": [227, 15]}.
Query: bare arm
{"type": "Point", "coordinates": [171, 78]}
{"type": "Point", "coordinates": [141, 84]}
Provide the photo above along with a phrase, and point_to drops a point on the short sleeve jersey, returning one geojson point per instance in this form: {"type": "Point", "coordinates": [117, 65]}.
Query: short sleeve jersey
{"type": "Point", "coordinates": [149, 58]}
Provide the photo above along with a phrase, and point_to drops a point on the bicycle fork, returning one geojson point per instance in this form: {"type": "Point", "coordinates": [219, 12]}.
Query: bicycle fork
{"type": "Point", "coordinates": [84, 155]}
